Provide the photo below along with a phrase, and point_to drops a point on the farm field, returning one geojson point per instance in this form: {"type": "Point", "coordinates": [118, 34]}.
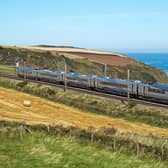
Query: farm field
{"type": "Point", "coordinates": [110, 59]}
{"type": "Point", "coordinates": [46, 112]}
{"type": "Point", "coordinates": [70, 49]}
{"type": "Point", "coordinates": [153, 116]}
{"type": "Point", "coordinates": [93, 55]}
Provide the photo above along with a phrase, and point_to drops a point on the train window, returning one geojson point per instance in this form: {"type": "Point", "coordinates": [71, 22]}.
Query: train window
{"type": "Point", "coordinates": [47, 75]}
{"type": "Point", "coordinates": [23, 72]}
{"type": "Point", "coordinates": [156, 90]}
{"type": "Point", "coordinates": [80, 79]}
{"type": "Point", "coordinates": [114, 84]}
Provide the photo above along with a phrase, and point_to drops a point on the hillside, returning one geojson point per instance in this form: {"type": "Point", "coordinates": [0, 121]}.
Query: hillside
{"type": "Point", "coordinates": [41, 150]}
{"type": "Point", "coordinates": [59, 120]}
{"type": "Point", "coordinates": [102, 57]}
{"type": "Point", "coordinates": [153, 116]}
{"type": "Point", "coordinates": [11, 103]}
{"type": "Point", "coordinates": [81, 61]}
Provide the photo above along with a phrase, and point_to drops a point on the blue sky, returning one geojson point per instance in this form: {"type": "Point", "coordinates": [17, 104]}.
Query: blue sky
{"type": "Point", "coordinates": [119, 25]}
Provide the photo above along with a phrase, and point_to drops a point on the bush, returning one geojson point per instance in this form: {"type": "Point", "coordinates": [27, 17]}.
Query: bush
{"type": "Point", "coordinates": [22, 84]}
{"type": "Point", "coordinates": [131, 104]}
{"type": "Point", "coordinates": [50, 91]}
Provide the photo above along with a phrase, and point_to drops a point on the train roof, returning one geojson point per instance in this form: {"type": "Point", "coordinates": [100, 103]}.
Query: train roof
{"type": "Point", "coordinates": [49, 72]}
{"type": "Point", "coordinates": [75, 75]}
{"type": "Point", "coordinates": [160, 86]}
{"type": "Point", "coordinates": [115, 80]}
{"type": "Point", "coordinates": [25, 69]}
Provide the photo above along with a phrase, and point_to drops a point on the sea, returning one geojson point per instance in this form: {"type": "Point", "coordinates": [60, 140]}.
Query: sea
{"type": "Point", "coordinates": [157, 60]}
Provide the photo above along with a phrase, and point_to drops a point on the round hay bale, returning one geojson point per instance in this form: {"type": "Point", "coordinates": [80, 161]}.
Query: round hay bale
{"type": "Point", "coordinates": [27, 103]}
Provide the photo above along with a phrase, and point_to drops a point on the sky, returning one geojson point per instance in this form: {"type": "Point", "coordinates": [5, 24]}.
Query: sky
{"type": "Point", "coordinates": [116, 25]}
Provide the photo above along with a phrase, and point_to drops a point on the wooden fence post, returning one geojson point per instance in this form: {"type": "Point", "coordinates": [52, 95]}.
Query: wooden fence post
{"type": "Point", "coordinates": [114, 143]}
{"type": "Point", "coordinates": [48, 128]}
{"type": "Point", "coordinates": [162, 154]}
{"type": "Point", "coordinates": [70, 132]}
{"type": "Point", "coordinates": [92, 137]}
{"type": "Point", "coordinates": [137, 149]}
{"type": "Point", "coordinates": [21, 131]}
{"type": "Point", "coordinates": [91, 129]}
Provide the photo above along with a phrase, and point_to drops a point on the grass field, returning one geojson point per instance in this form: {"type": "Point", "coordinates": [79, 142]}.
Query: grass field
{"type": "Point", "coordinates": [46, 112]}
{"type": "Point", "coordinates": [43, 151]}
{"type": "Point", "coordinates": [7, 69]}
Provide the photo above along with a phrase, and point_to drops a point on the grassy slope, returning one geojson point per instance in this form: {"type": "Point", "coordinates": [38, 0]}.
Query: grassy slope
{"type": "Point", "coordinates": [155, 117]}
{"type": "Point", "coordinates": [12, 108]}
{"type": "Point", "coordinates": [55, 61]}
{"type": "Point", "coordinates": [7, 69]}
{"type": "Point", "coordinates": [41, 150]}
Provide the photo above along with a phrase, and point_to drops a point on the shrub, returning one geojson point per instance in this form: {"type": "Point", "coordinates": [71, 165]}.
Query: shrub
{"type": "Point", "coordinates": [51, 91]}
{"type": "Point", "coordinates": [22, 84]}
{"type": "Point", "coordinates": [131, 104]}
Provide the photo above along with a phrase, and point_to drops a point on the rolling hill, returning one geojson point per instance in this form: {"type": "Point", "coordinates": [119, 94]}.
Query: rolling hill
{"type": "Point", "coordinates": [81, 61]}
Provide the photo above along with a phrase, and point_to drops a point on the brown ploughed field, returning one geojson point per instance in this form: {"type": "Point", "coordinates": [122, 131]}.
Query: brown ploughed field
{"type": "Point", "coordinates": [110, 59]}
{"type": "Point", "coordinates": [103, 57]}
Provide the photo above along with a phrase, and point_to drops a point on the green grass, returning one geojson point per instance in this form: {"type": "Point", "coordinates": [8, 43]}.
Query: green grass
{"type": "Point", "coordinates": [7, 69]}
{"type": "Point", "coordinates": [41, 150]}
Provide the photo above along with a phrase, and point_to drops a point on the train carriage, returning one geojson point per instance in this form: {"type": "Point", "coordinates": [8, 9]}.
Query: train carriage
{"type": "Point", "coordinates": [26, 72]}
{"type": "Point", "coordinates": [158, 92]}
{"type": "Point", "coordinates": [153, 92]}
{"type": "Point", "coordinates": [140, 89]}
{"type": "Point", "coordinates": [50, 76]}
{"type": "Point", "coordinates": [109, 85]}
{"type": "Point", "coordinates": [83, 81]}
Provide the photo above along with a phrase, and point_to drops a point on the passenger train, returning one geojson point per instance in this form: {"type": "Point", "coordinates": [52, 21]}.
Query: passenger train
{"type": "Point", "coordinates": [155, 92]}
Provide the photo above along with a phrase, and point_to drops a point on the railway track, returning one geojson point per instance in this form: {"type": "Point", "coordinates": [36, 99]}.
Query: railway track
{"type": "Point", "coordinates": [96, 93]}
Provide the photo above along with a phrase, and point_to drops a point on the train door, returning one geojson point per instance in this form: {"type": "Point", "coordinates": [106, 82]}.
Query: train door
{"type": "Point", "coordinates": [94, 82]}
{"type": "Point", "coordinates": [89, 82]}
{"type": "Point", "coordinates": [62, 77]}
{"type": "Point", "coordinates": [144, 90]}
{"type": "Point", "coordinates": [137, 90]}
{"type": "Point", "coordinates": [36, 75]}
{"type": "Point", "coordinates": [132, 88]}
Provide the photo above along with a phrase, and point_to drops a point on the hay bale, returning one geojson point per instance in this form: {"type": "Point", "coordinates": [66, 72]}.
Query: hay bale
{"type": "Point", "coordinates": [27, 103]}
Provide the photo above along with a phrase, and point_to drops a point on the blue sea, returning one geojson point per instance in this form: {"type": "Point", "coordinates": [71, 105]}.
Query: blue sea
{"type": "Point", "coordinates": [158, 60]}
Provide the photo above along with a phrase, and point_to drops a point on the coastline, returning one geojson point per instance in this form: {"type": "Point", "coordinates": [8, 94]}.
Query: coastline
{"type": "Point", "coordinates": [156, 60]}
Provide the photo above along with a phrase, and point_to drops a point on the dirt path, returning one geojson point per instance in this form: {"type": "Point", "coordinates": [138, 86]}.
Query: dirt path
{"type": "Point", "coordinates": [46, 112]}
